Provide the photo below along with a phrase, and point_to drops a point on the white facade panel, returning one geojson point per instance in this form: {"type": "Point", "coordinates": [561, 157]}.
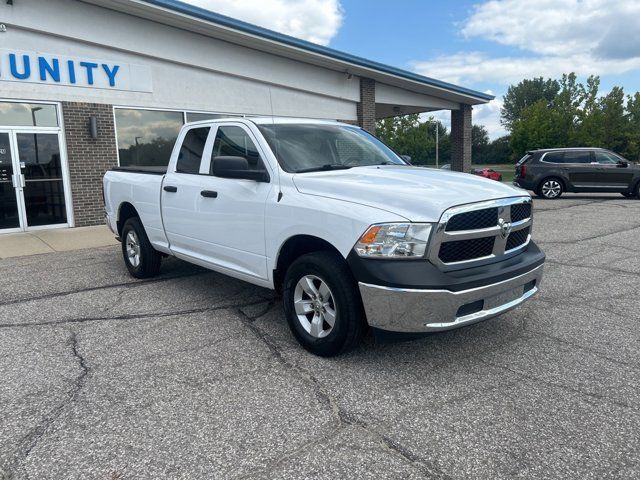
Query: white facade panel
{"type": "Point", "coordinates": [86, 29]}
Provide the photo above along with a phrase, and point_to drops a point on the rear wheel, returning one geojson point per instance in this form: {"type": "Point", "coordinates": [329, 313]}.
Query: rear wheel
{"type": "Point", "coordinates": [141, 259]}
{"type": "Point", "coordinates": [322, 304]}
{"type": "Point", "coordinates": [550, 188]}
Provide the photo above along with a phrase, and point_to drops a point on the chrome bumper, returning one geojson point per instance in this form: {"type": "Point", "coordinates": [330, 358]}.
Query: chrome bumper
{"type": "Point", "coordinates": [414, 310]}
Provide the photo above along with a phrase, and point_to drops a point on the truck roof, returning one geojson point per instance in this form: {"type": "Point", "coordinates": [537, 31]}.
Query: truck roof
{"type": "Point", "coordinates": [562, 149]}
{"type": "Point", "coordinates": [265, 120]}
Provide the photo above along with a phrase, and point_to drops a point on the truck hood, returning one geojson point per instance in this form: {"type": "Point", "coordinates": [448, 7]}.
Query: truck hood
{"type": "Point", "coordinates": [418, 194]}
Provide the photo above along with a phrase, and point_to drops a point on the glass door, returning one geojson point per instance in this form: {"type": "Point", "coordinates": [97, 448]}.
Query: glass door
{"type": "Point", "coordinates": [38, 155]}
{"type": "Point", "coordinates": [31, 180]}
{"type": "Point", "coordinates": [10, 211]}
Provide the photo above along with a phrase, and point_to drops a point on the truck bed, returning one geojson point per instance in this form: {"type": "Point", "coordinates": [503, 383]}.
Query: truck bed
{"type": "Point", "coordinates": [139, 169]}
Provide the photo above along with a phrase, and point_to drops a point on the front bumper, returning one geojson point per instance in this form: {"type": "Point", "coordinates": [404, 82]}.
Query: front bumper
{"type": "Point", "coordinates": [425, 310]}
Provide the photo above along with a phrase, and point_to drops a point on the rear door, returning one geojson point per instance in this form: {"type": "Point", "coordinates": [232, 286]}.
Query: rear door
{"type": "Point", "coordinates": [180, 195]}
{"type": "Point", "coordinates": [581, 171]}
{"type": "Point", "coordinates": [610, 174]}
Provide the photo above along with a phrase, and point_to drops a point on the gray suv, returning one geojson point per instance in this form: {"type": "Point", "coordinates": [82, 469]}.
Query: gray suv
{"type": "Point", "coordinates": [550, 172]}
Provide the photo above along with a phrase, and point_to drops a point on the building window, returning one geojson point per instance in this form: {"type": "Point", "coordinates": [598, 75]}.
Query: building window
{"type": "Point", "coordinates": [28, 115]}
{"type": "Point", "coordinates": [198, 117]}
{"type": "Point", "coordinates": [146, 137]}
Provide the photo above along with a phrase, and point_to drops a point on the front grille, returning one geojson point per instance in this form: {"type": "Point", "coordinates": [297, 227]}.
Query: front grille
{"type": "Point", "coordinates": [471, 234]}
{"type": "Point", "coordinates": [520, 212]}
{"type": "Point", "coordinates": [517, 238]}
{"type": "Point", "coordinates": [461, 250]}
{"type": "Point", "coordinates": [485, 218]}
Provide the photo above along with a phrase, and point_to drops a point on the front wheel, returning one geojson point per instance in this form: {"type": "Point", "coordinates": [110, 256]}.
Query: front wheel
{"type": "Point", "coordinates": [141, 259]}
{"type": "Point", "coordinates": [550, 188]}
{"type": "Point", "coordinates": [322, 304]}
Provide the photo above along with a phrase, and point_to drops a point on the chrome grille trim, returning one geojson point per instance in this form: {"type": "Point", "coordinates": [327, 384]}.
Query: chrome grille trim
{"type": "Point", "coordinates": [440, 235]}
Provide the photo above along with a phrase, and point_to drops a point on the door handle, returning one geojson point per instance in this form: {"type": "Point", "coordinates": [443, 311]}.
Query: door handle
{"type": "Point", "coordinates": [209, 194]}
{"type": "Point", "coordinates": [170, 188]}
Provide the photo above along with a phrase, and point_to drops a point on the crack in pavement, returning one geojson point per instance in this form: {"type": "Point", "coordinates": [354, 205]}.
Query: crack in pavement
{"type": "Point", "coordinates": [133, 316]}
{"type": "Point", "coordinates": [342, 418]}
{"type": "Point", "coordinates": [31, 439]}
{"type": "Point", "coordinates": [568, 388]}
{"type": "Point", "coordinates": [132, 284]}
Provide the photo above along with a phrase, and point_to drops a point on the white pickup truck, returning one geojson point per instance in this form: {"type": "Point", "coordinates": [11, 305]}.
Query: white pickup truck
{"type": "Point", "coordinates": [326, 214]}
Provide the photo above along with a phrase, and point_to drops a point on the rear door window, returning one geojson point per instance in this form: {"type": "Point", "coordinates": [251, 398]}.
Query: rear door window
{"type": "Point", "coordinates": [577, 157]}
{"type": "Point", "coordinates": [191, 150]}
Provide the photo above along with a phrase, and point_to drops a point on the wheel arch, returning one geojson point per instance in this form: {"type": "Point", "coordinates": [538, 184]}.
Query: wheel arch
{"type": "Point", "coordinates": [293, 248]}
{"type": "Point", "coordinates": [126, 210]}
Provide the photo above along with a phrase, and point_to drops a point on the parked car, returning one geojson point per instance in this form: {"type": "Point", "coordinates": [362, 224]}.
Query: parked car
{"type": "Point", "coordinates": [487, 173]}
{"type": "Point", "coordinates": [551, 172]}
{"type": "Point", "coordinates": [326, 214]}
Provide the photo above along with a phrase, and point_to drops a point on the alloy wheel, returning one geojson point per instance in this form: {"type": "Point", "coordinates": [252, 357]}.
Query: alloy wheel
{"type": "Point", "coordinates": [551, 189]}
{"type": "Point", "coordinates": [315, 306]}
{"type": "Point", "coordinates": [133, 249]}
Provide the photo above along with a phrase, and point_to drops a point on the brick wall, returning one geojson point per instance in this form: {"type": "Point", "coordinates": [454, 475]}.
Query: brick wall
{"type": "Point", "coordinates": [461, 139]}
{"type": "Point", "coordinates": [366, 108]}
{"type": "Point", "coordinates": [88, 158]}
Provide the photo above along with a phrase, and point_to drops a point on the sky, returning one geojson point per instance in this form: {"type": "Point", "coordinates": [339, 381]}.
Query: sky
{"type": "Point", "coordinates": [484, 45]}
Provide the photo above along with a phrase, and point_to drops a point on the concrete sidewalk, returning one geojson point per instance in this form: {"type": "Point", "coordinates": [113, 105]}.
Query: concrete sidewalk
{"type": "Point", "coordinates": [54, 240]}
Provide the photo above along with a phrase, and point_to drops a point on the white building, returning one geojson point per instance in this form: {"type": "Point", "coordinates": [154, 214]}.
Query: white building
{"type": "Point", "coordinates": [86, 85]}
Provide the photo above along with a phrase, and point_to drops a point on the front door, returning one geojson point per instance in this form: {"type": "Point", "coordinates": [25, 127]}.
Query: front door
{"type": "Point", "coordinates": [611, 175]}
{"type": "Point", "coordinates": [32, 190]}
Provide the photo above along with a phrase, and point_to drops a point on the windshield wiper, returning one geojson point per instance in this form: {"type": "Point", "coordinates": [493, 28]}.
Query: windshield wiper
{"type": "Point", "coordinates": [324, 168]}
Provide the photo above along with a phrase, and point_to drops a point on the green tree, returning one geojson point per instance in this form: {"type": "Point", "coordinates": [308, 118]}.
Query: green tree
{"type": "Point", "coordinates": [525, 94]}
{"type": "Point", "coordinates": [539, 126]}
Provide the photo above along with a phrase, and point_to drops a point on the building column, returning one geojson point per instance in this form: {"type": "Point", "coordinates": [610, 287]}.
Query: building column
{"type": "Point", "coordinates": [366, 108]}
{"type": "Point", "coordinates": [89, 158]}
{"type": "Point", "coordinates": [461, 139]}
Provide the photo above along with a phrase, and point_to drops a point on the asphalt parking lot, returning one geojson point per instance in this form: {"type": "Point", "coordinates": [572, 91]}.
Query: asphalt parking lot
{"type": "Point", "coordinates": [195, 375]}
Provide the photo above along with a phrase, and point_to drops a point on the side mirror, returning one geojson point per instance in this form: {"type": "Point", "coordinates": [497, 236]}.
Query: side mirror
{"type": "Point", "coordinates": [236, 167]}
{"type": "Point", "coordinates": [622, 164]}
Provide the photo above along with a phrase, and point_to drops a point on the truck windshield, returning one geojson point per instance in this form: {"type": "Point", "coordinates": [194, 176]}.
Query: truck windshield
{"type": "Point", "coordinates": [312, 147]}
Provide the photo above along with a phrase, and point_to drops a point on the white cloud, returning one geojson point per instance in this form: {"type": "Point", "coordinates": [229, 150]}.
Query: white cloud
{"type": "Point", "coordinates": [317, 21]}
{"type": "Point", "coordinates": [600, 37]}
{"type": "Point", "coordinates": [479, 67]}
{"type": "Point", "coordinates": [556, 27]}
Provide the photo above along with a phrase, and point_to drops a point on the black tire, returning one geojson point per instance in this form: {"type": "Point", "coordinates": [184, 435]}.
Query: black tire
{"type": "Point", "coordinates": [349, 320]}
{"type": "Point", "coordinates": [550, 188]}
{"type": "Point", "coordinates": [149, 259]}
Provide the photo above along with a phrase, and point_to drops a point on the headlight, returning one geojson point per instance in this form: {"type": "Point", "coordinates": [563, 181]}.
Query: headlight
{"type": "Point", "coordinates": [394, 240]}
